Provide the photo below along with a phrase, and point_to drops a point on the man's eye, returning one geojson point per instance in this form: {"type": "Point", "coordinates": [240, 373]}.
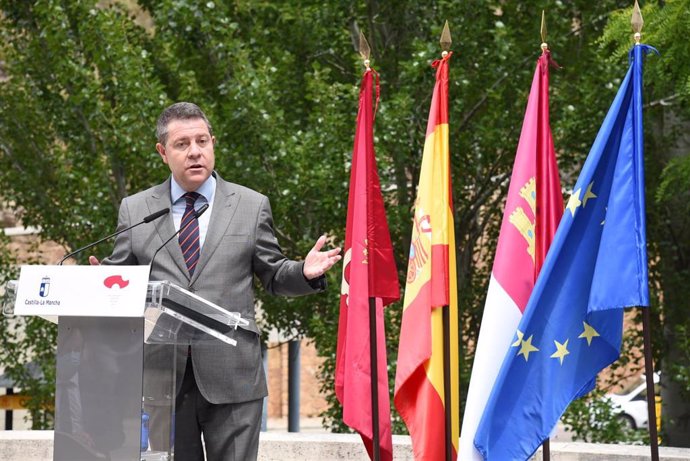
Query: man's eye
{"type": "Point", "coordinates": [180, 145]}
{"type": "Point", "coordinates": [203, 141]}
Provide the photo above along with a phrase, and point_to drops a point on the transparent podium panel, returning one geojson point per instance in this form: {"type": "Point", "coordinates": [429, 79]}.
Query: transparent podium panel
{"type": "Point", "coordinates": [158, 401]}
{"type": "Point", "coordinates": [98, 389]}
{"type": "Point", "coordinates": [9, 297]}
{"type": "Point", "coordinates": [174, 320]}
{"type": "Point", "coordinates": [173, 315]}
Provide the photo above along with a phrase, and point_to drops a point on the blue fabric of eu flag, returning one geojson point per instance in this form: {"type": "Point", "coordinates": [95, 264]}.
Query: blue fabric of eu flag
{"type": "Point", "coordinates": [596, 266]}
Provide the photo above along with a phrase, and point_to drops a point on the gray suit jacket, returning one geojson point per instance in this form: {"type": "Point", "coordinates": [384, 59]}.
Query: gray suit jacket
{"type": "Point", "coordinates": [240, 243]}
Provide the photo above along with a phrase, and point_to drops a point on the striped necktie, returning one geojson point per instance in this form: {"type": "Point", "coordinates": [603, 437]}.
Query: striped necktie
{"type": "Point", "coordinates": [189, 236]}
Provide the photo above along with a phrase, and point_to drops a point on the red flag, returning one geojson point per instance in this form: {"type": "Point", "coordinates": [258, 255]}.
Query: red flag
{"type": "Point", "coordinates": [369, 271]}
{"type": "Point", "coordinates": [533, 210]}
{"type": "Point", "coordinates": [421, 378]}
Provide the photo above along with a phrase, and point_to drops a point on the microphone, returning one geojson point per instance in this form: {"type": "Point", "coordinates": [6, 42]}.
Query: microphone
{"type": "Point", "coordinates": [156, 215]}
{"type": "Point", "coordinates": [198, 213]}
{"type": "Point", "coordinates": [147, 219]}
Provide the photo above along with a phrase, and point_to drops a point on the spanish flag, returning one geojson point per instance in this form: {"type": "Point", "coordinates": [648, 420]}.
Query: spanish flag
{"type": "Point", "coordinates": [426, 381]}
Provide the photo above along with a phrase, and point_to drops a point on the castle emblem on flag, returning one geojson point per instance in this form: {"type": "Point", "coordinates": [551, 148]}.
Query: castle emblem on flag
{"type": "Point", "coordinates": [519, 218]}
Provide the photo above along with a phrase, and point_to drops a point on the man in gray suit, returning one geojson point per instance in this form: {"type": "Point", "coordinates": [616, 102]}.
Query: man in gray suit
{"type": "Point", "coordinates": [216, 257]}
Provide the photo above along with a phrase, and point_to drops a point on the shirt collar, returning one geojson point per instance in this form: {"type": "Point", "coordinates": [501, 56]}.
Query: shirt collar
{"type": "Point", "coordinates": [207, 189]}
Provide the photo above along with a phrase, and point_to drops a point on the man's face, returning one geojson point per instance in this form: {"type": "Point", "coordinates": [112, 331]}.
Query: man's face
{"type": "Point", "coordinates": [188, 152]}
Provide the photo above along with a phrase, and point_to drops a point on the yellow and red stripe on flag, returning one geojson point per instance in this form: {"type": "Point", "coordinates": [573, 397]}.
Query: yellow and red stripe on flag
{"type": "Point", "coordinates": [424, 386]}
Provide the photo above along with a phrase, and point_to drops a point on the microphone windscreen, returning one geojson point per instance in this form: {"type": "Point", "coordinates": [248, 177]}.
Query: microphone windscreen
{"type": "Point", "coordinates": [156, 215]}
{"type": "Point", "coordinates": [201, 210]}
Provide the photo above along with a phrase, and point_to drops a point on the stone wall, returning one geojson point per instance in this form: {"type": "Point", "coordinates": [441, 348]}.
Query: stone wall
{"type": "Point", "coordinates": [38, 446]}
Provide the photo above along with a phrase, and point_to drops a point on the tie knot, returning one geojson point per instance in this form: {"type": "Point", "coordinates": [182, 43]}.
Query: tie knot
{"type": "Point", "coordinates": [191, 197]}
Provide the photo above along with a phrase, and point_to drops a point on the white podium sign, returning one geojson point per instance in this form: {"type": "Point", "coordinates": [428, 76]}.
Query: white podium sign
{"type": "Point", "coordinates": [82, 291]}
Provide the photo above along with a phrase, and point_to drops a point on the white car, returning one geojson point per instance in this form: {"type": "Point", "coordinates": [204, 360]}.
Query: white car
{"type": "Point", "coordinates": [632, 402]}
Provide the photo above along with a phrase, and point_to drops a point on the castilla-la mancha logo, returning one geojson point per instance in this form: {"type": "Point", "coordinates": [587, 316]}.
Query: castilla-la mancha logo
{"type": "Point", "coordinates": [44, 289]}
{"type": "Point", "coordinates": [113, 280]}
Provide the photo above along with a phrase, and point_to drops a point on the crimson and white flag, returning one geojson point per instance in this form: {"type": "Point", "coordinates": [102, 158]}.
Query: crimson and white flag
{"type": "Point", "coordinates": [369, 272]}
{"type": "Point", "coordinates": [533, 210]}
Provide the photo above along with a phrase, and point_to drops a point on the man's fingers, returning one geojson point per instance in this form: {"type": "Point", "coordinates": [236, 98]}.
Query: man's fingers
{"type": "Point", "coordinates": [333, 252]}
{"type": "Point", "coordinates": [332, 261]}
{"type": "Point", "coordinates": [319, 243]}
{"type": "Point", "coordinates": [325, 265]}
{"type": "Point", "coordinates": [94, 261]}
{"type": "Point", "coordinates": [317, 262]}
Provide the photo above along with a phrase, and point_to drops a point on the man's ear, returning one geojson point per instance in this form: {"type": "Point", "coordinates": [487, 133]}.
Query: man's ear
{"type": "Point", "coordinates": [161, 151]}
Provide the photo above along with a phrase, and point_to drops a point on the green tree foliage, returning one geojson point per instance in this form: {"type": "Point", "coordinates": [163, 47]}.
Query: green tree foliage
{"type": "Point", "coordinates": [77, 106]}
{"type": "Point", "coordinates": [279, 82]}
{"type": "Point", "coordinates": [74, 139]}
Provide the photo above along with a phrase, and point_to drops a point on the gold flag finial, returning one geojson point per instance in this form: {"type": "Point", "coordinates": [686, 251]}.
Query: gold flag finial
{"type": "Point", "coordinates": [445, 39]}
{"type": "Point", "coordinates": [637, 22]}
{"type": "Point", "coordinates": [544, 45]}
{"type": "Point", "coordinates": [364, 49]}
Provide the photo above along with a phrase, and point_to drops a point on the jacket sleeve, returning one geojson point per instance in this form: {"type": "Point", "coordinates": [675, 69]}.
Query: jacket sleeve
{"type": "Point", "coordinates": [278, 274]}
{"type": "Point", "coordinates": [122, 251]}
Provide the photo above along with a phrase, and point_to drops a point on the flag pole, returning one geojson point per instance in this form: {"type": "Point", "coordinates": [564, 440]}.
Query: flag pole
{"type": "Point", "coordinates": [376, 448]}
{"type": "Point", "coordinates": [649, 376]}
{"type": "Point", "coordinates": [446, 41]}
{"type": "Point", "coordinates": [365, 52]}
{"type": "Point", "coordinates": [546, 446]}
{"type": "Point", "coordinates": [637, 22]}
{"type": "Point", "coordinates": [446, 381]}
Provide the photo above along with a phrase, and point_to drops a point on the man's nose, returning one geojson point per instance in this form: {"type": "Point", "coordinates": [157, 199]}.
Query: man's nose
{"type": "Point", "coordinates": [194, 150]}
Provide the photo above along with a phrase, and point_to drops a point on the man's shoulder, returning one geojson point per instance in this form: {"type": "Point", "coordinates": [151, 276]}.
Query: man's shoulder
{"type": "Point", "coordinates": [158, 190]}
{"type": "Point", "coordinates": [245, 192]}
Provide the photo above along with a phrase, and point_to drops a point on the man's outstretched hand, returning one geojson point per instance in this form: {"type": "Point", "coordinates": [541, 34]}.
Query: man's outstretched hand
{"type": "Point", "coordinates": [318, 262]}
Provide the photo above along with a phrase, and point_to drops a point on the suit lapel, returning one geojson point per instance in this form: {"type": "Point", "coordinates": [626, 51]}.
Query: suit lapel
{"type": "Point", "coordinates": [224, 206]}
{"type": "Point", "coordinates": [160, 198]}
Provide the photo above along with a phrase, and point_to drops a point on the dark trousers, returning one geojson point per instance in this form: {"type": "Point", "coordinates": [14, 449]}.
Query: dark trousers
{"type": "Point", "coordinates": [230, 431]}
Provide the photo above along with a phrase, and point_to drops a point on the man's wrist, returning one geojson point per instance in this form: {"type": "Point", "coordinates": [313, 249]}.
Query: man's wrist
{"type": "Point", "coordinates": [317, 283]}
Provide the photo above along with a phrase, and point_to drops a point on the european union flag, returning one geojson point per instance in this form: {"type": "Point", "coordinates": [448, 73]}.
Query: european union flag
{"type": "Point", "coordinates": [597, 265]}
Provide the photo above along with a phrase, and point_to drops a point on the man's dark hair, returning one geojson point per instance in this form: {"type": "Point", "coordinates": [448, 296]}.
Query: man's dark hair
{"type": "Point", "coordinates": [179, 111]}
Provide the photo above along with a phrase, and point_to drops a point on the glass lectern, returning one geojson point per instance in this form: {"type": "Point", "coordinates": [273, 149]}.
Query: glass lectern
{"type": "Point", "coordinates": [116, 376]}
